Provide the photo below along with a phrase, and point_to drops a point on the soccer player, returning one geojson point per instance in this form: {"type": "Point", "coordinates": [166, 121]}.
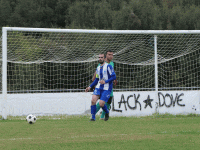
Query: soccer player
{"type": "Point", "coordinates": [105, 76]}
{"type": "Point", "coordinates": [109, 57]}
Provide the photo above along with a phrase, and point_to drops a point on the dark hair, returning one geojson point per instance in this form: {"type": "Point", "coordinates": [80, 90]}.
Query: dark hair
{"type": "Point", "coordinates": [103, 54]}
{"type": "Point", "coordinates": [108, 51]}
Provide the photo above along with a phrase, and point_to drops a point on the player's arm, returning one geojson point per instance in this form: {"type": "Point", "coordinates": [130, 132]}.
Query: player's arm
{"type": "Point", "coordinates": [94, 76]}
{"type": "Point", "coordinates": [115, 81]}
{"type": "Point", "coordinates": [93, 83]}
{"type": "Point", "coordinates": [112, 74]}
{"type": "Point", "coordinates": [112, 78]}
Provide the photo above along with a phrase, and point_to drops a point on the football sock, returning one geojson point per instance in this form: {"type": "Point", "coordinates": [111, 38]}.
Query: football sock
{"type": "Point", "coordinates": [103, 113]}
{"type": "Point", "coordinates": [93, 111]}
{"type": "Point", "coordinates": [105, 109]}
{"type": "Point", "coordinates": [97, 107]}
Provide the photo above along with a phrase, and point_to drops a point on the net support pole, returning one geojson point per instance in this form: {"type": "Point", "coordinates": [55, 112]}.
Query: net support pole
{"type": "Point", "coordinates": [4, 73]}
{"type": "Point", "coordinates": [156, 74]}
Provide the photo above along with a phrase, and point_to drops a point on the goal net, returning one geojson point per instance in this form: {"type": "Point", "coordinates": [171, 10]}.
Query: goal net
{"type": "Point", "coordinates": [64, 60]}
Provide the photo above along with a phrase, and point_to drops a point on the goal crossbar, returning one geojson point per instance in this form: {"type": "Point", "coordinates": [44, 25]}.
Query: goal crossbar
{"type": "Point", "coordinates": [101, 31]}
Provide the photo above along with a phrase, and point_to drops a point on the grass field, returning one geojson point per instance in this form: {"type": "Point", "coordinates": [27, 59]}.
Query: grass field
{"type": "Point", "coordinates": [76, 132]}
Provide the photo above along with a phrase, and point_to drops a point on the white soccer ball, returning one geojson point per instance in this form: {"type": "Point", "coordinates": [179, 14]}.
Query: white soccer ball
{"type": "Point", "coordinates": [31, 119]}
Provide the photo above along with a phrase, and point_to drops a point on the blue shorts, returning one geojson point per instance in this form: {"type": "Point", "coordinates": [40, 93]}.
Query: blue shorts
{"type": "Point", "coordinates": [103, 94]}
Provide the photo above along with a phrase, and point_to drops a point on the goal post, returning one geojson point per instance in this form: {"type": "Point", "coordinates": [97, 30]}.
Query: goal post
{"type": "Point", "coordinates": [4, 72]}
{"type": "Point", "coordinates": [46, 61]}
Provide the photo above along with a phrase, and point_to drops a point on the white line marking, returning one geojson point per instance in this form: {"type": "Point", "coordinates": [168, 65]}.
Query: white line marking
{"type": "Point", "coordinates": [91, 136]}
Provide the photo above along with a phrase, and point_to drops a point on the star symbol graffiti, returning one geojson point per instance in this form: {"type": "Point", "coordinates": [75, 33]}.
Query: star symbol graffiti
{"type": "Point", "coordinates": [148, 102]}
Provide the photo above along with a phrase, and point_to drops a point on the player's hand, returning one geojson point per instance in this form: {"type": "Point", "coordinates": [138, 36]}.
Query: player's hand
{"type": "Point", "coordinates": [92, 89]}
{"type": "Point", "coordinates": [102, 82]}
{"type": "Point", "coordinates": [87, 89]}
{"type": "Point", "coordinates": [115, 82]}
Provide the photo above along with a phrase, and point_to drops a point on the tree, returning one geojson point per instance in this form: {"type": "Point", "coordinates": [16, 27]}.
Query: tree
{"type": "Point", "coordinates": [103, 15]}
{"type": "Point", "coordinates": [81, 15]}
{"type": "Point", "coordinates": [61, 11]}
{"type": "Point", "coordinates": [5, 12]}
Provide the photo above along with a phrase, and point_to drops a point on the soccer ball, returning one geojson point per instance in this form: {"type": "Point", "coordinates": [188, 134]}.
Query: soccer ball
{"type": "Point", "coordinates": [31, 119]}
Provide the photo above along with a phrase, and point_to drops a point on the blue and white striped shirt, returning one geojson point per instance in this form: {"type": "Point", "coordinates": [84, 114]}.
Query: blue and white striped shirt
{"type": "Point", "coordinates": [106, 73]}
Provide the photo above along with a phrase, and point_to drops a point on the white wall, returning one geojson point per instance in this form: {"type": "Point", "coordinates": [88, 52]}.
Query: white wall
{"type": "Point", "coordinates": [173, 102]}
{"type": "Point", "coordinates": [124, 104]}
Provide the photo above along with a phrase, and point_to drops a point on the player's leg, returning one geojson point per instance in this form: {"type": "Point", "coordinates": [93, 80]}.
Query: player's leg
{"type": "Point", "coordinates": [108, 106]}
{"type": "Point", "coordinates": [93, 106]}
{"type": "Point", "coordinates": [95, 97]}
{"type": "Point", "coordinates": [103, 99]}
{"type": "Point", "coordinates": [103, 106]}
{"type": "Point", "coordinates": [97, 107]}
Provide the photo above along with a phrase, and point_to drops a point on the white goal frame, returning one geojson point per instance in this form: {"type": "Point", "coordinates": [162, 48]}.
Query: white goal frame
{"type": "Point", "coordinates": [4, 49]}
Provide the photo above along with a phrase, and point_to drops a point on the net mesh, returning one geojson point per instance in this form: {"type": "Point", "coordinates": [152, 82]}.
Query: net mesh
{"type": "Point", "coordinates": [66, 62]}
{"type": "Point", "coordinates": [179, 66]}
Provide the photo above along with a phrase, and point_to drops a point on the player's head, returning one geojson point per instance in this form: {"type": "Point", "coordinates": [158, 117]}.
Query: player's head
{"type": "Point", "coordinates": [101, 58]}
{"type": "Point", "coordinates": [109, 55]}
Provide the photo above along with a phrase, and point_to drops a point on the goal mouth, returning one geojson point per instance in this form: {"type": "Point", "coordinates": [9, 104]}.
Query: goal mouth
{"type": "Point", "coordinates": [64, 60]}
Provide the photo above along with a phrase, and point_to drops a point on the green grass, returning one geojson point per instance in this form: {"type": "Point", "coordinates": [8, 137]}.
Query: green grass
{"type": "Point", "coordinates": [76, 132]}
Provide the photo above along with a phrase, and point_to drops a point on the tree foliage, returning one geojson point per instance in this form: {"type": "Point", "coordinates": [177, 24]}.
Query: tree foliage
{"type": "Point", "coordinates": [102, 14]}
